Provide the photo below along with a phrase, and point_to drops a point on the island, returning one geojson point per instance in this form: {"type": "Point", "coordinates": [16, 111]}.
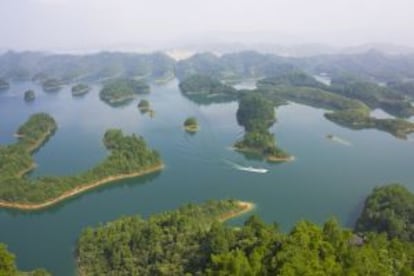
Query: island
{"type": "Point", "coordinates": [51, 85]}
{"type": "Point", "coordinates": [347, 100]}
{"type": "Point", "coordinates": [192, 240]}
{"type": "Point", "coordinates": [204, 89]}
{"type": "Point", "coordinates": [122, 91]}
{"type": "Point", "coordinates": [191, 125]}
{"type": "Point", "coordinates": [129, 157]}
{"type": "Point", "coordinates": [4, 85]}
{"type": "Point", "coordinates": [256, 114]}
{"type": "Point", "coordinates": [29, 96]}
{"type": "Point", "coordinates": [80, 89]}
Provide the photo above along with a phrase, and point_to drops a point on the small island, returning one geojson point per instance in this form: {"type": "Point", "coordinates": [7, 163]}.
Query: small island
{"type": "Point", "coordinates": [29, 96]}
{"type": "Point", "coordinates": [122, 91]}
{"type": "Point", "coordinates": [51, 85]}
{"type": "Point", "coordinates": [144, 106]}
{"type": "Point", "coordinates": [4, 85]}
{"type": "Point", "coordinates": [80, 89]}
{"type": "Point", "coordinates": [256, 114]}
{"type": "Point", "coordinates": [129, 157]}
{"type": "Point", "coordinates": [191, 125]}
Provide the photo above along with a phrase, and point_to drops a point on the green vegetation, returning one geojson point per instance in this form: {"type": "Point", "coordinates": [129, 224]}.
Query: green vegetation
{"type": "Point", "coordinates": [256, 114]}
{"type": "Point", "coordinates": [205, 89]}
{"type": "Point", "coordinates": [389, 209]}
{"type": "Point", "coordinates": [8, 265]}
{"type": "Point", "coordinates": [373, 95]}
{"type": "Point", "coordinates": [144, 106]}
{"type": "Point", "coordinates": [347, 110]}
{"type": "Point", "coordinates": [129, 157]}
{"type": "Point", "coordinates": [29, 96]}
{"type": "Point", "coordinates": [4, 85]}
{"type": "Point", "coordinates": [80, 89]}
{"type": "Point", "coordinates": [51, 85]}
{"type": "Point", "coordinates": [121, 91]}
{"type": "Point", "coordinates": [170, 243]}
{"type": "Point", "coordinates": [191, 241]}
{"type": "Point", "coordinates": [191, 125]}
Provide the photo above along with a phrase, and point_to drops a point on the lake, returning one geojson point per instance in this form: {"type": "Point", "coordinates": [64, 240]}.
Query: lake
{"type": "Point", "coordinates": [326, 179]}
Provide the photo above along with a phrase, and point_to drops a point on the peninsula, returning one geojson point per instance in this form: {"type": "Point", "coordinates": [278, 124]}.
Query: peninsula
{"type": "Point", "coordinates": [184, 226]}
{"type": "Point", "coordinates": [129, 157]}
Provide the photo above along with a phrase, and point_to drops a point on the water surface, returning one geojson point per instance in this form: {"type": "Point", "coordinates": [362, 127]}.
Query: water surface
{"type": "Point", "coordinates": [326, 179]}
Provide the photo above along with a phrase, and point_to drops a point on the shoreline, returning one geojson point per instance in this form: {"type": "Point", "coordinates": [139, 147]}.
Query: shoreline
{"type": "Point", "coordinates": [268, 158]}
{"type": "Point", "coordinates": [191, 129]}
{"type": "Point", "coordinates": [76, 191]}
{"type": "Point", "coordinates": [245, 207]}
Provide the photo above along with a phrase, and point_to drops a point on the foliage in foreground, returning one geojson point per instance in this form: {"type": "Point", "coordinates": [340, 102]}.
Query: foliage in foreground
{"type": "Point", "coordinates": [390, 210]}
{"type": "Point", "coordinates": [189, 241]}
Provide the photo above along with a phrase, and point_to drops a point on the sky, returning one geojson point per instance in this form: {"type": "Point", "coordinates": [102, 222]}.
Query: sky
{"type": "Point", "coordinates": [101, 24]}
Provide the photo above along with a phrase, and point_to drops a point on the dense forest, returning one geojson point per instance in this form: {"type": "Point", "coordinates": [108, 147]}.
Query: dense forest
{"type": "Point", "coordinates": [120, 91]}
{"type": "Point", "coordinates": [8, 265]}
{"type": "Point", "coordinates": [390, 210]}
{"type": "Point", "coordinates": [256, 114]}
{"type": "Point", "coordinates": [129, 156]}
{"type": "Point", "coordinates": [189, 241]}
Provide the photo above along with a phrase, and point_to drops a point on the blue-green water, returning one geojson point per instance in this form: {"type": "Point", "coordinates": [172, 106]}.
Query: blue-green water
{"type": "Point", "coordinates": [326, 179]}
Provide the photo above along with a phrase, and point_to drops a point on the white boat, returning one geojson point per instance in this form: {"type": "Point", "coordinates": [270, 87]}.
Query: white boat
{"type": "Point", "coordinates": [251, 169]}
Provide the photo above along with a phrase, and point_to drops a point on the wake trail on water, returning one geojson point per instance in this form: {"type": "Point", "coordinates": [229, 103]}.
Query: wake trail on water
{"type": "Point", "coordinates": [339, 140]}
{"type": "Point", "coordinates": [246, 168]}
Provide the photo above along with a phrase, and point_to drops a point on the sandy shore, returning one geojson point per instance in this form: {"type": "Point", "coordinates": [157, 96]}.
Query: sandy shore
{"type": "Point", "coordinates": [245, 207]}
{"type": "Point", "coordinates": [75, 191]}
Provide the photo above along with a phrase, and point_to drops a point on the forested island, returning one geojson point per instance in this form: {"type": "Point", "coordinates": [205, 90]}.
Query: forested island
{"type": "Point", "coordinates": [29, 96]}
{"type": "Point", "coordinates": [80, 89]}
{"type": "Point", "coordinates": [191, 125]}
{"type": "Point", "coordinates": [122, 91]}
{"type": "Point", "coordinates": [256, 114]}
{"type": "Point", "coordinates": [191, 240]}
{"type": "Point", "coordinates": [4, 85]}
{"type": "Point", "coordinates": [350, 100]}
{"type": "Point", "coordinates": [205, 89]}
{"type": "Point", "coordinates": [129, 157]}
{"type": "Point", "coordinates": [51, 85]}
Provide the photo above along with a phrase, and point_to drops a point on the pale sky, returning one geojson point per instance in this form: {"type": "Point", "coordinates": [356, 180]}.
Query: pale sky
{"type": "Point", "coordinates": [91, 24]}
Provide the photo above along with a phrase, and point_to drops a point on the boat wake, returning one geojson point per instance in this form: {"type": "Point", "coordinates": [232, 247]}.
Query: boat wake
{"type": "Point", "coordinates": [338, 140]}
{"type": "Point", "coordinates": [247, 168]}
